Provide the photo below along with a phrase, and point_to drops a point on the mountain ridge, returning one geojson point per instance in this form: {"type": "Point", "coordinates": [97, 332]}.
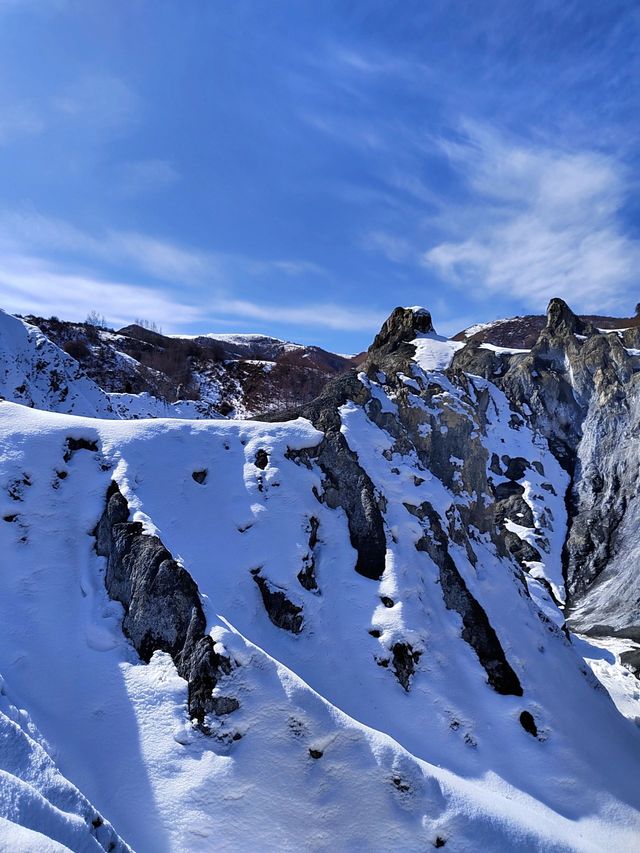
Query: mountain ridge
{"type": "Point", "coordinates": [377, 586]}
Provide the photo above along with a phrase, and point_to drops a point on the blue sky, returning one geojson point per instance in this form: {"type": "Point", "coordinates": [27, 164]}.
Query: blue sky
{"type": "Point", "coordinates": [300, 167]}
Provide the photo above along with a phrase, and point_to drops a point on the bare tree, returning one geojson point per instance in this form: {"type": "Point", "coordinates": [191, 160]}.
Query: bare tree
{"type": "Point", "coordinates": [149, 325]}
{"type": "Point", "coordinates": [96, 320]}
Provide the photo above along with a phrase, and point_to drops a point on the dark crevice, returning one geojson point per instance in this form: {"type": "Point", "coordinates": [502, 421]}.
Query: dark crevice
{"type": "Point", "coordinates": [476, 630]}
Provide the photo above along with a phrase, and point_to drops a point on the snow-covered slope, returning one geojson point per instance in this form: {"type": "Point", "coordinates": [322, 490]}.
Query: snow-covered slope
{"type": "Point", "coordinates": [39, 809]}
{"type": "Point", "coordinates": [35, 372]}
{"type": "Point", "coordinates": [230, 374]}
{"type": "Point", "coordinates": [381, 592]}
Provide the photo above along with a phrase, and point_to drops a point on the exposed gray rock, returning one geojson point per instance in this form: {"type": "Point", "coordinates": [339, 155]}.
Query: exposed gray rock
{"type": "Point", "coordinates": [451, 432]}
{"type": "Point", "coordinates": [528, 723]}
{"type": "Point", "coordinates": [580, 388]}
{"type": "Point", "coordinates": [307, 574]}
{"type": "Point", "coordinates": [163, 611]}
{"type": "Point", "coordinates": [346, 483]}
{"type": "Point", "coordinates": [282, 612]}
{"type": "Point", "coordinates": [262, 459]}
{"type": "Point", "coordinates": [631, 659]}
{"type": "Point", "coordinates": [402, 326]}
{"type": "Point", "coordinates": [477, 630]}
{"type": "Point", "coordinates": [404, 662]}
{"type": "Point", "coordinates": [74, 444]}
{"type": "Point", "coordinates": [516, 467]}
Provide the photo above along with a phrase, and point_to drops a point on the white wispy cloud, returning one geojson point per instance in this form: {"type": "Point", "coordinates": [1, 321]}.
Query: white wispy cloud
{"type": "Point", "coordinates": [28, 232]}
{"type": "Point", "coordinates": [49, 266]}
{"type": "Point", "coordinates": [539, 223]}
{"type": "Point", "coordinates": [323, 314]}
{"type": "Point", "coordinates": [29, 285]}
{"type": "Point", "coordinates": [394, 247]}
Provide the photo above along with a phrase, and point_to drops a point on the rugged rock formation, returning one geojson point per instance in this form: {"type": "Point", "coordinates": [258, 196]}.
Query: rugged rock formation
{"type": "Point", "coordinates": [417, 432]}
{"type": "Point", "coordinates": [163, 611]}
{"type": "Point", "coordinates": [346, 484]}
{"type": "Point", "coordinates": [402, 326]}
{"type": "Point", "coordinates": [477, 630]}
{"type": "Point", "coordinates": [580, 387]}
{"type": "Point", "coordinates": [282, 612]}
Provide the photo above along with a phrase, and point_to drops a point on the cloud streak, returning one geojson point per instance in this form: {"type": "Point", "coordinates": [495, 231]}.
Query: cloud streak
{"type": "Point", "coordinates": [28, 285]}
{"type": "Point", "coordinates": [29, 232]}
{"type": "Point", "coordinates": [538, 223]}
{"type": "Point", "coordinates": [102, 102]}
{"type": "Point", "coordinates": [323, 315]}
{"type": "Point", "coordinates": [49, 266]}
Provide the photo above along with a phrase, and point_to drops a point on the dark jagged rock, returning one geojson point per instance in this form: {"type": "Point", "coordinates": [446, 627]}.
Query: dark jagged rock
{"type": "Point", "coordinates": [562, 321]}
{"type": "Point", "coordinates": [346, 484]}
{"type": "Point", "coordinates": [307, 575]}
{"type": "Point", "coordinates": [200, 476]}
{"type": "Point", "coordinates": [282, 612]}
{"type": "Point", "coordinates": [72, 445]}
{"type": "Point", "coordinates": [522, 550]}
{"type": "Point", "coordinates": [262, 459]}
{"type": "Point", "coordinates": [528, 723]}
{"type": "Point", "coordinates": [402, 326]}
{"type": "Point", "coordinates": [163, 611]}
{"type": "Point", "coordinates": [476, 630]}
{"type": "Point", "coordinates": [631, 659]}
{"type": "Point", "coordinates": [516, 467]}
{"type": "Point", "coordinates": [404, 662]}
{"type": "Point", "coordinates": [507, 490]}
{"type": "Point", "coordinates": [514, 507]}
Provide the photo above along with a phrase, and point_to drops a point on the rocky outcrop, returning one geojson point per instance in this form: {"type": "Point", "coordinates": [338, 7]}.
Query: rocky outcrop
{"type": "Point", "coordinates": [402, 326]}
{"type": "Point", "coordinates": [431, 435]}
{"type": "Point", "coordinates": [163, 611]}
{"type": "Point", "coordinates": [579, 387]}
{"type": "Point", "coordinates": [476, 630]}
{"type": "Point", "coordinates": [280, 610]}
{"type": "Point", "coordinates": [346, 483]}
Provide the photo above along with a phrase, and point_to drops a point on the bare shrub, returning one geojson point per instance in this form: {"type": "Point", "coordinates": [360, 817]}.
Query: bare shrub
{"type": "Point", "coordinates": [76, 348]}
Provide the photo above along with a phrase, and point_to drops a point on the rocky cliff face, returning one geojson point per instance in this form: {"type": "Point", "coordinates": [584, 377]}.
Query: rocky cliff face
{"type": "Point", "coordinates": [578, 385]}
